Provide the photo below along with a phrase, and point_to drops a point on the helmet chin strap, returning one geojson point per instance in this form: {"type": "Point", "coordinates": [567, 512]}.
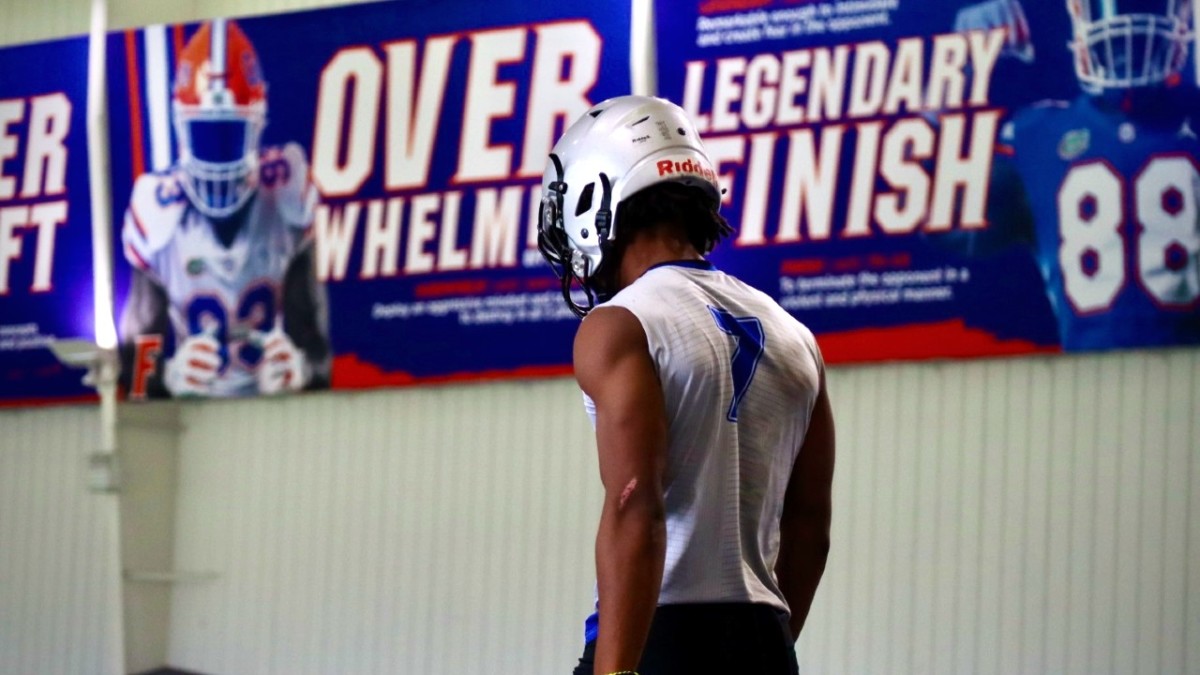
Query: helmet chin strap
{"type": "Point", "coordinates": [555, 247]}
{"type": "Point", "coordinates": [576, 308]}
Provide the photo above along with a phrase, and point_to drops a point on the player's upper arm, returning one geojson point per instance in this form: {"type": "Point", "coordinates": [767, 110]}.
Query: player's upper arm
{"type": "Point", "coordinates": [285, 175]}
{"type": "Point", "coordinates": [306, 314]}
{"type": "Point", "coordinates": [614, 368]}
{"type": "Point", "coordinates": [809, 491]}
{"type": "Point", "coordinates": [155, 208]}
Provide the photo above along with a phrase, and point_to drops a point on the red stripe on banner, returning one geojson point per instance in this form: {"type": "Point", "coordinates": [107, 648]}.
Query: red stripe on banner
{"type": "Point", "coordinates": [349, 372]}
{"type": "Point", "coordinates": [947, 339]}
{"type": "Point", "coordinates": [542, 283]}
{"type": "Point", "coordinates": [177, 41]}
{"type": "Point", "coordinates": [439, 289]}
{"type": "Point", "coordinates": [61, 400]}
{"type": "Point", "coordinates": [133, 75]}
{"type": "Point", "coordinates": [137, 258]}
{"type": "Point", "coordinates": [714, 6]}
{"type": "Point", "coordinates": [137, 222]}
{"type": "Point", "coordinates": [802, 266]}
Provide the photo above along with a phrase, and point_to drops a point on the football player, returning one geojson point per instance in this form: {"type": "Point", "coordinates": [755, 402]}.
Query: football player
{"type": "Point", "coordinates": [1104, 188]}
{"type": "Point", "coordinates": [714, 430]}
{"type": "Point", "coordinates": [220, 244]}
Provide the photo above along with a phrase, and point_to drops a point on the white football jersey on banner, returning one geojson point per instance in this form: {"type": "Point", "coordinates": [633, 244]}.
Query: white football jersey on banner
{"type": "Point", "coordinates": [234, 294]}
{"type": "Point", "coordinates": [740, 377]}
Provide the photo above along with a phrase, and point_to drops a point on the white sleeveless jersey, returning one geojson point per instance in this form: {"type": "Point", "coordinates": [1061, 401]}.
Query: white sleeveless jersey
{"type": "Point", "coordinates": [233, 293]}
{"type": "Point", "coordinates": [740, 377]}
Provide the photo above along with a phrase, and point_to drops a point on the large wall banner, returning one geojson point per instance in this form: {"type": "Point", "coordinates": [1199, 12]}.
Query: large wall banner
{"type": "Point", "coordinates": [920, 179]}
{"type": "Point", "coordinates": [347, 197]}
{"type": "Point", "coordinates": [45, 221]}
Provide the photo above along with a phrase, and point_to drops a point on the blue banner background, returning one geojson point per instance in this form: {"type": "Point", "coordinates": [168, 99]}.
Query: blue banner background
{"type": "Point", "coordinates": [1006, 306]}
{"type": "Point", "coordinates": [29, 372]}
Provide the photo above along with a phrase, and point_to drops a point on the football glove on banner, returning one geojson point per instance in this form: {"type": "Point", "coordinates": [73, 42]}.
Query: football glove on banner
{"type": "Point", "coordinates": [283, 368]}
{"type": "Point", "coordinates": [194, 367]}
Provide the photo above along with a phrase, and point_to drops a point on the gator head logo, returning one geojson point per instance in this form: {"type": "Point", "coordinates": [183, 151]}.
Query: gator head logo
{"type": "Point", "coordinates": [1074, 143]}
{"type": "Point", "coordinates": [195, 267]}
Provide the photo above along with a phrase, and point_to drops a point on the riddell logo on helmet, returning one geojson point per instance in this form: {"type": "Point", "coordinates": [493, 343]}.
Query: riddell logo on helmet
{"type": "Point", "coordinates": [668, 167]}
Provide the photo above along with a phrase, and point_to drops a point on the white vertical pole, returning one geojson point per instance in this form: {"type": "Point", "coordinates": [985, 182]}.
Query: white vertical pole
{"type": "Point", "coordinates": [99, 171]}
{"type": "Point", "coordinates": [100, 179]}
{"type": "Point", "coordinates": [643, 62]}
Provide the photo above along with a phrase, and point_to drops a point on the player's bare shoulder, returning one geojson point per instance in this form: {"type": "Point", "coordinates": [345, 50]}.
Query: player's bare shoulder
{"type": "Point", "coordinates": [156, 210]}
{"type": "Point", "coordinates": [284, 183]}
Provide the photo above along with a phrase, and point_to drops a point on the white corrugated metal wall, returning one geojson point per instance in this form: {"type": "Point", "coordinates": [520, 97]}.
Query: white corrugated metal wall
{"type": "Point", "coordinates": [440, 530]}
{"type": "Point", "coordinates": [56, 570]}
{"type": "Point", "coordinates": [1023, 515]}
{"type": "Point", "coordinates": [1015, 516]}
{"type": "Point", "coordinates": [1006, 516]}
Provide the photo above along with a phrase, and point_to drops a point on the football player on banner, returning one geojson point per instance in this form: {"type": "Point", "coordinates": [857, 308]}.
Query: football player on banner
{"type": "Point", "coordinates": [221, 243]}
{"type": "Point", "coordinates": [1105, 188]}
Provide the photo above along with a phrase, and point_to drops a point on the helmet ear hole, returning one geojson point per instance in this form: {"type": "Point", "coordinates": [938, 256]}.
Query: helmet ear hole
{"type": "Point", "coordinates": [585, 200]}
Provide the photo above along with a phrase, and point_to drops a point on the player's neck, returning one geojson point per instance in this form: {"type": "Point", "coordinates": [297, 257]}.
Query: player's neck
{"type": "Point", "coordinates": [652, 247]}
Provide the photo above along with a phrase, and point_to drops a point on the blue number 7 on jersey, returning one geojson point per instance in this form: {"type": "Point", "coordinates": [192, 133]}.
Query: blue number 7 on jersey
{"type": "Point", "coordinates": [748, 339]}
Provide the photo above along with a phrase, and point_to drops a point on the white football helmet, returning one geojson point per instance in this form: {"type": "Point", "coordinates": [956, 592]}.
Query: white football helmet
{"type": "Point", "coordinates": [615, 149]}
{"type": "Point", "coordinates": [220, 109]}
{"type": "Point", "coordinates": [1118, 44]}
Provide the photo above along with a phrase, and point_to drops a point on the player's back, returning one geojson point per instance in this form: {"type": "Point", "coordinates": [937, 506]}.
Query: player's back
{"type": "Point", "coordinates": [740, 377]}
{"type": "Point", "coordinates": [1115, 199]}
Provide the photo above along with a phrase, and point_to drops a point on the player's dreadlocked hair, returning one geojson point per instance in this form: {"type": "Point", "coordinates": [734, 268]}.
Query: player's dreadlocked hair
{"type": "Point", "coordinates": [688, 207]}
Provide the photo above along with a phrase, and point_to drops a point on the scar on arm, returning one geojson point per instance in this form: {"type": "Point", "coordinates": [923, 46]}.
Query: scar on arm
{"type": "Point", "coordinates": [629, 488]}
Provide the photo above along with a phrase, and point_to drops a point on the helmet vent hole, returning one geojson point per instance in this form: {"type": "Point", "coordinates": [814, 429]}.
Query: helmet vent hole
{"type": "Point", "coordinates": [640, 121]}
{"type": "Point", "coordinates": [585, 200]}
{"type": "Point", "coordinates": [596, 113]}
{"type": "Point", "coordinates": [681, 131]}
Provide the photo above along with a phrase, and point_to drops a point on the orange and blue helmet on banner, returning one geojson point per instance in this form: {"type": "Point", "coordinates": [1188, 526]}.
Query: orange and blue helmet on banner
{"type": "Point", "coordinates": [219, 110]}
